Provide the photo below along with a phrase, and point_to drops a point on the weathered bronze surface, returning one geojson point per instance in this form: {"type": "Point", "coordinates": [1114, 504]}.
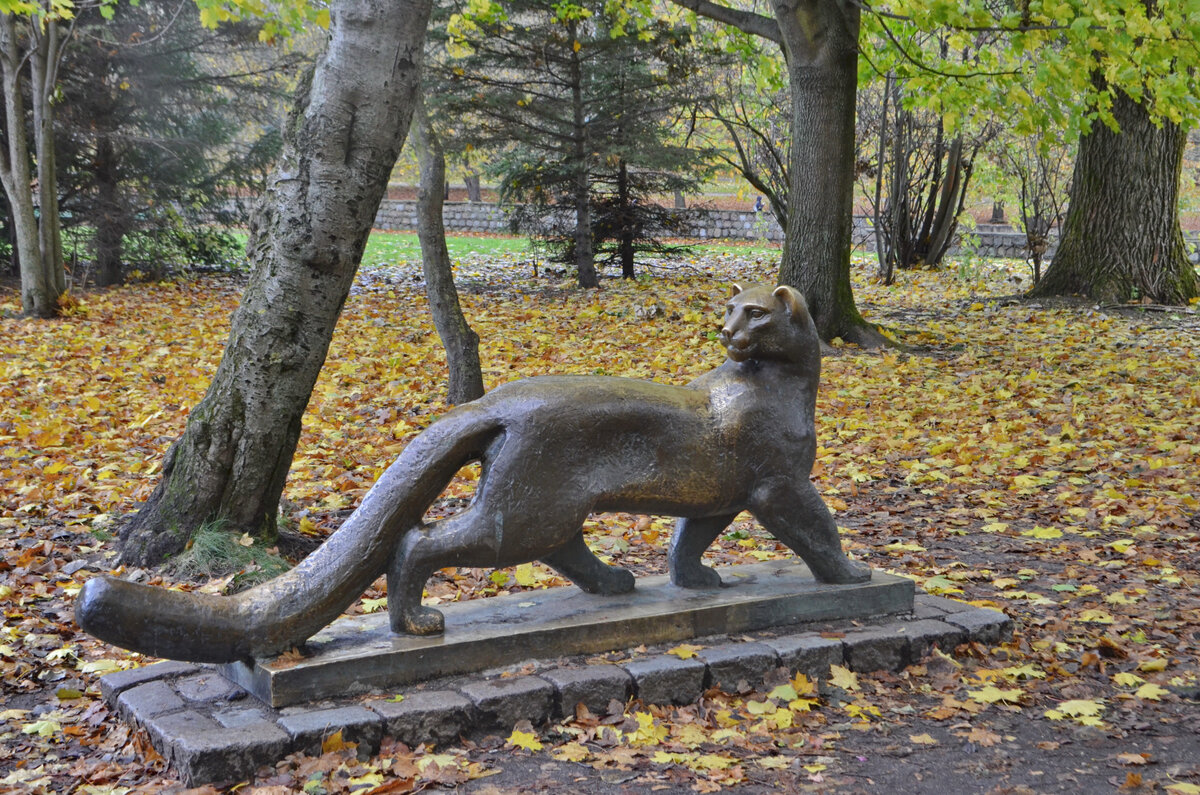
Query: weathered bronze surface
{"type": "Point", "coordinates": [552, 450]}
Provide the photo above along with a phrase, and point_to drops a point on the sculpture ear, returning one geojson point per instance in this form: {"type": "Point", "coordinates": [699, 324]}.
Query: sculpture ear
{"type": "Point", "coordinates": [792, 298]}
{"type": "Point", "coordinates": [734, 289]}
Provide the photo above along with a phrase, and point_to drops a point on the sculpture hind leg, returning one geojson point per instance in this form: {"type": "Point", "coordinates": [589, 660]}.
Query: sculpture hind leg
{"type": "Point", "coordinates": [578, 563]}
{"type": "Point", "coordinates": [796, 515]}
{"type": "Point", "coordinates": [691, 538]}
{"type": "Point", "coordinates": [464, 540]}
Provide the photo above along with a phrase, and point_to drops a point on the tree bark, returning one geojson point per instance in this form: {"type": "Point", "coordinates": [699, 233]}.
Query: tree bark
{"type": "Point", "coordinates": [458, 338]}
{"type": "Point", "coordinates": [40, 289]}
{"type": "Point", "coordinates": [110, 233]}
{"type": "Point", "coordinates": [340, 145]}
{"type": "Point", "coordinates": [585, 254]}
{"type": "Point", "coordinates": [626, 234]}
{"type": "Point", "coordinates": [820, 43]}
{"type": "Point", "coordinates": [1121, 239]}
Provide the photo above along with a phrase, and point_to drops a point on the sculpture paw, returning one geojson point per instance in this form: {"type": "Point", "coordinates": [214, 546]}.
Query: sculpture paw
{"type": "Point", "coordinates": [696, 576]}
{"type": "Point", "coordinates": [620, 581]}
{"type": "Point", "coordinates": [848, 573]}
{"type": "Point", "coordinates": [424, 621]}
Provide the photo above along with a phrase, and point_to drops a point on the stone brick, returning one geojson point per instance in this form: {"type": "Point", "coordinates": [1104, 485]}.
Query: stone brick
{"type": "Point", "coordinates": [500, 703]}
{"type": "Point", "coordinates": [925, 634]}
{"type": "Point", "coordinates": [241, 714]}
{"type": "Point", "coordinates": [112, 685]}
{"type": "Point", "coordinates": [983, 624]}
{"type": "Point", "coordinates": [594, 686]}
{"type": "Point", "coordinates": [357, 725]}
{"type": "Point", "coordinates": [666, 679]}
{"type": "Point", "coordinates": [810, 655]}
{"type": "Point", "coordinates": [139, 704]}
{"type": "Point", "coordinates": [208, 687]}
{"type": "Point", "coordinates": [204, 752]}
{"type": "Point", "coordinates": [732, 663]}
{"type": "Point", "coordinates": [435, 716]}
{"type": "Point", "coordinates": [877, 649]}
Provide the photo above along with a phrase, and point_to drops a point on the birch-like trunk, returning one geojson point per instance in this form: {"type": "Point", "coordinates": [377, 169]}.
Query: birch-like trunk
{"type": "Point", "coordinates": [340, 145]}
{"type": "Point", "coordinates": [459, 340]}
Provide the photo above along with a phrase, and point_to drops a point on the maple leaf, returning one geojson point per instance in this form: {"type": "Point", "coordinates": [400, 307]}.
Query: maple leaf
{"type": "Point", "coordinates": [1127, 679]}
{"type": "Point", "coordinates": [685, 651]}
{"type": "Point", "coordinates": [1151, 692]}
{"type": "Point", "coordinates": [527, 740]}
{"type": "Point", "coordinates": [992, 694]}
{"type": "Point", "coordinates": [844, 678]}
{"type": "Point", "coordinates": [571, 752]}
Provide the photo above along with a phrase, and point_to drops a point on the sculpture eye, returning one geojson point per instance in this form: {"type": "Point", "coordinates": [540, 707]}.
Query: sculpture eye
{"type": "Point", "coordinates": [755, 314]}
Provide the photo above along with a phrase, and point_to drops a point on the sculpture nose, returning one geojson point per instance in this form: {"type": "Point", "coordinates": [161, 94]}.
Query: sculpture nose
{"type": "Point", "coordinates": [726, 334]}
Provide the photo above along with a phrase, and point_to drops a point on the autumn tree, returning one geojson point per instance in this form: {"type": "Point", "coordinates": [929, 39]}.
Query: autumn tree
{"type": "Point", "coordinates": [1119, 74]}
{"type": "Point", "coordinates": [32, 40]}
{"type": "Point", "coordinates": [151, 106]}
{"type": "Point", "coordinates": [580, 113]}
{"type": "Point", "coordinates": [350, 120]}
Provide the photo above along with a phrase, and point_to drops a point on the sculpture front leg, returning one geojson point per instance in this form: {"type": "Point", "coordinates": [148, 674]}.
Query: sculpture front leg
{"type": "Point", "coordinates": [797, 516]}
{"type": "Point", "coordinates": [691, 538]}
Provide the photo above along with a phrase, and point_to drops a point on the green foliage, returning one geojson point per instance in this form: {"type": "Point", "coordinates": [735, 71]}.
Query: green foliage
{"type": "Point", "coordinates": [1046, 63]}
{"type": "Point", "coordinates": [580, 103]}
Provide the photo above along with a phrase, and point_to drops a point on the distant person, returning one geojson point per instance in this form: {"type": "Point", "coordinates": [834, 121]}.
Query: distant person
{"type": "Point", "coordinates": [758, 204]}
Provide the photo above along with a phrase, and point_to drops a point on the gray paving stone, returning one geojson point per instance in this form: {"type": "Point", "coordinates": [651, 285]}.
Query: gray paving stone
{"type": "Point", "coordinates": [500, 703]}
{"type": "Point", "coordinates": [138, 704]}
{"type": "Point", "coordinates": [208, 687]}
{"type": "Point", "coordinates": [731, 663]}
{"type": "Point", "coordinates": [808, 654]}
{"type": "Point", "coordinates": [925, 634]}
{"type": "Point", "coordinates": [112, 685]}
{"type": "Point", "coordinates": [241, 714]}
{"type": "Point", "coordinates": [942, 603]}
{"type": "Point", "coordinates": [876, 649]}
{"type": "Point", "coordinates": [440, 716]}
{"type": "Point", "coordinates": [984, 624]}
{"type": "Point", "coordinates": [594, 686]}
{"type": "Point", "coordinates": [357, 725]}
{"type": "Point", "coordinates": [666, 679]}
{"type": "Point", "coordinates": [204, 752]}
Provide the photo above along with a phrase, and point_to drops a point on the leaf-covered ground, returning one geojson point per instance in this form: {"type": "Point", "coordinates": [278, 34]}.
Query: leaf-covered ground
{"type": "Point", "coordinates": [1041, 459]}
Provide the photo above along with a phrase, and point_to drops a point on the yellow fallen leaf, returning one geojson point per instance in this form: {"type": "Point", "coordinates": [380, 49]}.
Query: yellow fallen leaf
{"type": "Point", "coordinates": [1154, 665]}
{"type": "Point", "coordinates": [1043, 532]}
{"type": "Point", "coordinates": [1079, 707]}
{"type": "Point", "coordinates": [922, 739]}
{"type": "Point", "coordinates": [842, 677]}
{"type": "Point", "coordinates": [571, 752]}
{"type": "Point", "coordinates": [992, 694]}
{"type": "Point", "coordinates": [1182, 788]}
{"type": "Point", "coordinates": [1127, 679]}
{"type": "Point", "coordinates": [1151, 692]}
{"type": "Point", "coordinates": [685, 651]}
{"type": "Point", "coordinates": [519, 739]}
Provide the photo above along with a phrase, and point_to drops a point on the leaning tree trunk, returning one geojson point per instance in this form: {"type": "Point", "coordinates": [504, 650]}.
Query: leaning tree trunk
{"type": "Point", "coordinates": [459, 340]}
{"type": "Point", "coordinates": [340, 145]}
{"type": "Point", "coordinates": [820, 44]}
{"type": "Point", "coordinates": [1121, 238]}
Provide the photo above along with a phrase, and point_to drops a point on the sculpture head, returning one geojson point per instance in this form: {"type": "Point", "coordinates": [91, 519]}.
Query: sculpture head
{"type": "Point", "coordinates": [768, 324]}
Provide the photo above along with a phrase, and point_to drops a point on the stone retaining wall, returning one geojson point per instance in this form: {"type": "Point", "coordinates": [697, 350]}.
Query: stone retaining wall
{"type": "Point", "coordinates": [703, 224]}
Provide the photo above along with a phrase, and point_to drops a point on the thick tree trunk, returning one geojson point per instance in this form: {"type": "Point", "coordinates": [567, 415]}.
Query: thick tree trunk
{"type": "Point", "coordinates": [1121, 239]}
{"type": "Point", "coordinates": [340, 145]}
{"type": "Point", "coordinates": [459, 340]}
{"type": "Point", "coordinates": [474, 188]}
{"type": "Point", "coordinates": [820, 43]}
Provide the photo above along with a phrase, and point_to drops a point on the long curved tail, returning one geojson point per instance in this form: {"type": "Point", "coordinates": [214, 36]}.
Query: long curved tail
{"type": "Point", "coordinates": [284, 612]}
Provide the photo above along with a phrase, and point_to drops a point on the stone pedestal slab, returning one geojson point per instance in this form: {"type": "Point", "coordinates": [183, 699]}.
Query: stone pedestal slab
{"type": "Point", "coordinates": [359, 654]}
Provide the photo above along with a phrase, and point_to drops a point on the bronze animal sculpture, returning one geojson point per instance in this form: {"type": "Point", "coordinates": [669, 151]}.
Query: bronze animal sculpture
{"type": "Point", "coordinates": [553, 449]}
